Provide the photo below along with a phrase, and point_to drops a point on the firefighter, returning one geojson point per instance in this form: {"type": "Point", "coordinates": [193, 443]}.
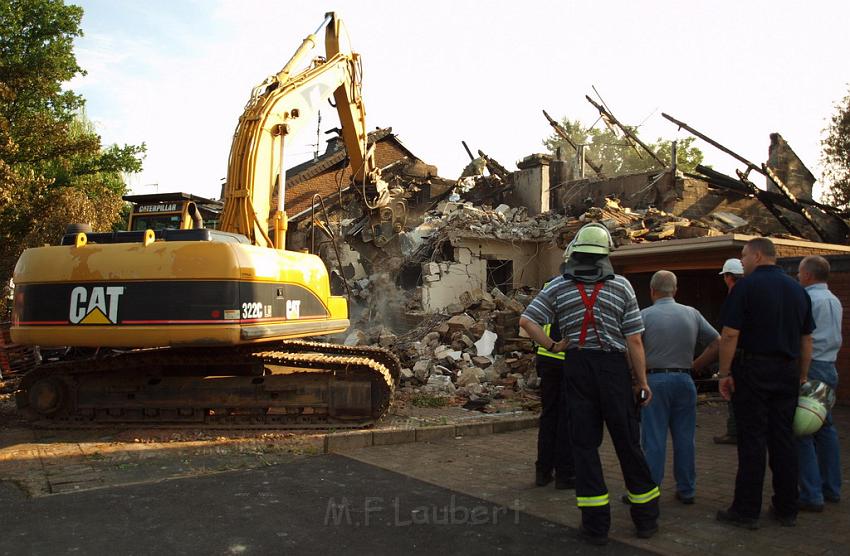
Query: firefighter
{"type": "Point", "coordinates": [597, 313]}
{"type": "Point", "coordinates": [553, 440]}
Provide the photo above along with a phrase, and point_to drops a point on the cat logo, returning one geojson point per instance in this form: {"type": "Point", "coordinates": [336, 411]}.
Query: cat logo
{"type": "Point", "coordinates": [100, 306]}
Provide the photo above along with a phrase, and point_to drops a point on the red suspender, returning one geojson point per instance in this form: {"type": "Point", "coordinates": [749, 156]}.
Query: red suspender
{"type": "Point", "coordinates": [589, 319]}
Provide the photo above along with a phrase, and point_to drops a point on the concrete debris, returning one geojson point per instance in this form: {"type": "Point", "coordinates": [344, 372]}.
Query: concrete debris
{"type": "Point", "coordinates": [475, 354]}
{"type": "Point", "coordinates": [729, 220]}
{"type": "Point", "coordinates": [356, 338]}
{"type": "Point", "coordinates": [486, 343]}
{"type": "Point", "coordinates": [440, 385]}
{"type": "Point", "coordinates": [460, 322]}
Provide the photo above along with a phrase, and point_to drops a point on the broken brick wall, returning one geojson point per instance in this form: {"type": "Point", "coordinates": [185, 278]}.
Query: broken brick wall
{"type": "Point", "coordinates": [484, 263]}
{"type": "Point", "coordinates": [634, 190]}
{"type": "Point", "coordinates": [789, 168]}
{"type": "Point", "coordinates": [687, 197]}
{"type": "Point", "coordinates": [698, 200]}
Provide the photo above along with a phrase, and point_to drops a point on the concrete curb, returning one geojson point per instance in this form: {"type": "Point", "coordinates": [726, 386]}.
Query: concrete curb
{"type": "Point", "coordinates": [353, 440]}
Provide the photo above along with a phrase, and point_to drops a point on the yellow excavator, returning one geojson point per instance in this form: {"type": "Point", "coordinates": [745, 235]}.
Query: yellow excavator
{"type": "Point", "coordinates": [206, 326]}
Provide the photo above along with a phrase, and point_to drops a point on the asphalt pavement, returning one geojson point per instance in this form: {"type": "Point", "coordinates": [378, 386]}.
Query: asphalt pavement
{"type": "Point", "coordinates": [318, 504]}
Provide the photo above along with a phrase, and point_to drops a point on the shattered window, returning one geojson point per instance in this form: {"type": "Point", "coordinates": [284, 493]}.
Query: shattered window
{"type": "Point", "coordinates": [500, 274]}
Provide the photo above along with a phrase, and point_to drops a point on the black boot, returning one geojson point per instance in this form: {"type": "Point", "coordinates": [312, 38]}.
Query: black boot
{"type": "Point", "coordinates": [564, 481]}
{"type": "Point", "coordinates": [542, 478]}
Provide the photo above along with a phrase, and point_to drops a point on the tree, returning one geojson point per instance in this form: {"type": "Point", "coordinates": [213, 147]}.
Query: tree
{"type": "Point", "coordinates": [53, 170]}
{"type": "Point", "coordinates": [836, 156]}
{"type": "Point", "coordinates": [616, 155]}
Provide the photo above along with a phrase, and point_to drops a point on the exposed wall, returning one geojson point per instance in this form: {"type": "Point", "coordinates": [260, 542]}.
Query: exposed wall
{"type": "Point", "coordinates": [634, 190]}
{"type": "Point", "coordinates": [443, 283]}
{"type": "Point", "coordinates": [531, 186]}
{"type": "Point", "coordinates": [789, 168]}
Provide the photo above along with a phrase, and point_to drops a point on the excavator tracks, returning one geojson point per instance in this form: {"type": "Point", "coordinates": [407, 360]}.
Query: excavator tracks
{"type": "Point", "coordinates": [292, 385]}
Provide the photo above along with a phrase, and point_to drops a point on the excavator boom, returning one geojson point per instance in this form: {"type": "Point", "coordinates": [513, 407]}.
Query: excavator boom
{"type": "Point", "coordinates": [214, 320]}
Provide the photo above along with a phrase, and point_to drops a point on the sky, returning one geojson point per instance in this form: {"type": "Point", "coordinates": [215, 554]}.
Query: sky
{"type": "Point", "coordinates": [175, 74]}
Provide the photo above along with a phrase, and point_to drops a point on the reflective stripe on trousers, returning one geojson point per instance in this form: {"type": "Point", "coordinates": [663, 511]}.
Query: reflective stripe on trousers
{"type": "Point", "coordinates": [648, 496]}
{"type": "Point", "coordinates": [592, 501]}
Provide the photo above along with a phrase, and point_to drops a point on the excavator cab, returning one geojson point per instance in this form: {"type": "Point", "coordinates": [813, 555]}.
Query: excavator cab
{"type": "Point", "coordinates": [172, 211]}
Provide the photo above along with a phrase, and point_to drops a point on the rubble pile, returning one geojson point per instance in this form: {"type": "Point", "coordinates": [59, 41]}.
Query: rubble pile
{"type": "Point", "coordinates": [473, 352]}
{"type": "Point", "coordinates": [513, 223]}
{"type": "Point", "coordinates": [643, 225]}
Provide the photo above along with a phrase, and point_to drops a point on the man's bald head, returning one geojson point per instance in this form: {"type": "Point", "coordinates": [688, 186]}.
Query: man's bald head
{"type": "Point", "coordinates": [664, 283]}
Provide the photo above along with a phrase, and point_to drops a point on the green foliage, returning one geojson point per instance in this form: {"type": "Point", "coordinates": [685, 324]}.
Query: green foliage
{"type": "Point", "coordinates": [427, 400]}
{"type": "Point", "coordinates": [836, 155]}
{"type": "Point", "coordinates": [615, 153]}
{"type": "Point", "coordinates": [53, 170]}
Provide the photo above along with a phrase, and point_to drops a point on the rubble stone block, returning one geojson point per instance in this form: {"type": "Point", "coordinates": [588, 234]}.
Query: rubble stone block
{"type": "Point", "coordinates": [386, 339]}
{"type": "Point", "coordinates": [407, 374]}
{"type": "Point", "coordinates": [432, 337]}
{"type": "Point", "coordinates": [443, 352]}
{"type": "Point", "coordinates": [486, 305]}
{"type": "Point", "coordinates": [454, 308]}
{"type": "Point", "coordinates": [467, 377]}
{"type": "Point", "coordinates": [516, 424]}
{"type": "Point", "coordinates": [460, 322]}
{"type": "Point", "coordinates": [430, 278]}
{"type": "Point", "coordinates": [421, 369]}
{"type": "Point", "coordinates": [514, 305]}
{"type": "Point", "coordinates": [356, 338]}
{"type": "Point", "coordinates": [343, 441]}
{"type": "Point", "coordinates": [430, 269]}
{"type": "Point", "coordinates": [473, 429]}
{"type": "Point", "coordinates": [491, 374]}
{"type": "Point", "coordinates": [393, 436]}
{"type": "Point", "coordinates": [429, 434]}
{"type": "Point", "coordinates": [481, 362]}
{"type": "Point", "coordinates": [440, 384]}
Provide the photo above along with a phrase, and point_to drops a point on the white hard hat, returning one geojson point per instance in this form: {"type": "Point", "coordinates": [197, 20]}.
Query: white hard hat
{"type": "Point", "coordinates": [732, 266]}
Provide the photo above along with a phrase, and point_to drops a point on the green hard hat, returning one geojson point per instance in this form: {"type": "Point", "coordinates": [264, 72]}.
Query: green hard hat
{"type": "Point", "coordinates": [813, 405]}
{"type": "Point", "coordinates": [809, 416]}
{"type": "Point", "coordinates": [592, 238]}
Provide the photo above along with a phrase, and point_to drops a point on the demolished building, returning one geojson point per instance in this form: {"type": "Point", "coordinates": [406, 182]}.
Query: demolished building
{"type": "Point", "coordinates": [447, 293]}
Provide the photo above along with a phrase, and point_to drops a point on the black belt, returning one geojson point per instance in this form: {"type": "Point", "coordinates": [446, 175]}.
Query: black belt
{"type": "Point", "coordinates": [653, 371]}
{"type": "Point", "coordinates": [748, 355]}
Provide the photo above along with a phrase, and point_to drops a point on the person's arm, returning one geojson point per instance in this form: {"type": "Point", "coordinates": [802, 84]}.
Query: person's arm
{"type": "Point", "coordinates": [535, 332]}
{"type": "Point", "coordinates": [805, 357]}
{"type": "Point", "coordinates": [708, 356]}
{"type": "Point", "coordinates": [728, 345]}
{"type": "Point", "coordinates": [638, 359]}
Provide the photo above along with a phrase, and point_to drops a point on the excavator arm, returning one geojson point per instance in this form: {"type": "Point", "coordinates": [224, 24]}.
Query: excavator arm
{"type": "Point", "coordinates": [277, 109]}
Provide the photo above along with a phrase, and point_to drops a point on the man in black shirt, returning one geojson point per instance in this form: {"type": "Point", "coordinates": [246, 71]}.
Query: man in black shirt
{"type": "Point", "coordinates": [765, 350]}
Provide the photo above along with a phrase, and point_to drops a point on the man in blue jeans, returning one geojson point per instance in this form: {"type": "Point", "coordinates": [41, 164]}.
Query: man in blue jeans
{"type": "Point", "coordinates": [820, 462]}
{"type": "Point", "coordinates": [671, 335]}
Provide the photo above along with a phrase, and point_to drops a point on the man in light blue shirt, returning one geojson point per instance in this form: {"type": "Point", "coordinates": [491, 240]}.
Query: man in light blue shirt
{"type": "Point", "coordinates": [671, 334]}
{"type": "Point", "coordinates": [820, 465]}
